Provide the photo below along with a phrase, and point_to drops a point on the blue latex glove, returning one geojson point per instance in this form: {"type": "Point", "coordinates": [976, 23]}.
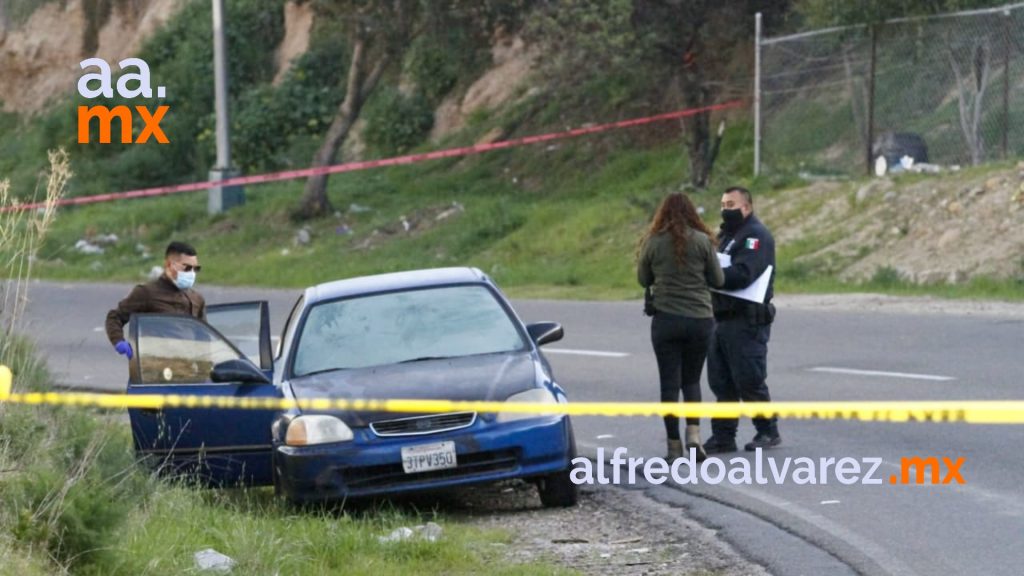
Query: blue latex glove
{"type": "Point", "coordinates": [124, 348]}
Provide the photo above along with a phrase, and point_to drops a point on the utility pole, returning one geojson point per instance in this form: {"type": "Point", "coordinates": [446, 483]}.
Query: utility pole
{"type": "Point", "coordinates": [222, 198]}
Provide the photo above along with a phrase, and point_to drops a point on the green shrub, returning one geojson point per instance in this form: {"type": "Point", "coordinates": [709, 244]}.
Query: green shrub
{"type": "Point", "coordinates": [74, 480]}
{"type": "Point", "coordinates": [433, 67]}
{"type": "Point", "coordinates": [269, 119]}
{"type": "Point", "coordinates": [886, 277]}
{"type": "Point", "coordinates": [396, 122]}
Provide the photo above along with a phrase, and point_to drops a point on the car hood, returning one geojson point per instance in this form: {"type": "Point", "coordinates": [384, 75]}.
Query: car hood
{"type": "Point", "coordinates": [488, 377]}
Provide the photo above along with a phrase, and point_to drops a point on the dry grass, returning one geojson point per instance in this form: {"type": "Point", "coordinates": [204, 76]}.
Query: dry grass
{"type": "Point", "coordinates": [21, 235]}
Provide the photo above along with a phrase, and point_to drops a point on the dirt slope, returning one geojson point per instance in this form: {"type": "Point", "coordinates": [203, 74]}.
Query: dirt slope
{"type": "Point", "coordinates": [926, 229]}
{"type": "Point", "coordinates": [39, 58]}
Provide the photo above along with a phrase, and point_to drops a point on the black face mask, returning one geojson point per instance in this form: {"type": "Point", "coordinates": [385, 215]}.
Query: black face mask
{"type": "Point", "coordinates": [732, 219]}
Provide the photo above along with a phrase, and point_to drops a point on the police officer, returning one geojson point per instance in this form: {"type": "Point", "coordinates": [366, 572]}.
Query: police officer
{"type": "Point", "coordinates": [737, 356]}
{"type": "Point", "coordinates": [171, 293]}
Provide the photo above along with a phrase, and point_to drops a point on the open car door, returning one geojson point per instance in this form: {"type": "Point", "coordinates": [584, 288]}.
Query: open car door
{"type": "Point", "coordinates": [176, 355]}
{"type": "Point", "coordinates": [247, 326]}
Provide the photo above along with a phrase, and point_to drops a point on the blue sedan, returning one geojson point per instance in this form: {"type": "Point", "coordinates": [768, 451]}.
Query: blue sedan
{"type": "Point", "coordinates": [427, 334]}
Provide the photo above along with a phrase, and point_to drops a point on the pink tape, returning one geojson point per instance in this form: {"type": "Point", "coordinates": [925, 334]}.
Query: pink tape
{"type": "Point", "coordinates": [365, 165]}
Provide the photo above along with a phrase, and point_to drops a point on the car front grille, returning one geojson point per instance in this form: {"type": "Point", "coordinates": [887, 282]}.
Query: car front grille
{"type": "Point", "coordinates": [417, 425]}
{"type": "Point", "coordinates": [385, 476]}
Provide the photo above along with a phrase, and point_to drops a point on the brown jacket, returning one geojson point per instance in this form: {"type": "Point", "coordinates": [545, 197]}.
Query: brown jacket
{"type": "Point", "coordinates": [159, 296]}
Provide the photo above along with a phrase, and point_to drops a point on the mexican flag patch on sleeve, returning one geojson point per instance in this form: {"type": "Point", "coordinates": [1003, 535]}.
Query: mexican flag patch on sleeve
{"type": "Point", "coordinates": [753, 243]}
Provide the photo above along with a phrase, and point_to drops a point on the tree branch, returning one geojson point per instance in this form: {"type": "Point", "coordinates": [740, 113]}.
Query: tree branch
{"type": "Point", "coordinates": [373, 77]}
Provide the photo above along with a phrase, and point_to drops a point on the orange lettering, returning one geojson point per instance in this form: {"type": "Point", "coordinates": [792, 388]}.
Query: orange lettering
{"type": "Point", "coordinates": [105, 116]}
{"type": "Point", "coordinates": [152, 124]}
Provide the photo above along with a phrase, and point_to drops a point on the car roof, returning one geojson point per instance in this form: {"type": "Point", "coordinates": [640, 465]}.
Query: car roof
{"type": "Point", "coordinates": [394, 281]}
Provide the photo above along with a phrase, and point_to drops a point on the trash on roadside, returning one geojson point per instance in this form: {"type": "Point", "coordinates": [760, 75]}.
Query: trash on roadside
{"type": "Point", "coordinates": [105, 239]}
{"type": "Point", "coordinates": [86, 247]}
{"type": "Point", "coordinates": [343, 230]}
{"type": "Point", "coordinates": [155, 272]}
{"type": "Point", "coordinates": [303, 236]}
{"type": "Point", "coordinates": [455, 209]}
{"type": "Point", "coordinates": [358, 208]}
{"type": "Point", "coordinates": [429, 532]}
{"type": "Point", "coordinates": [213, 561]}
{"type": "Point", "coordinates": [397, 535]}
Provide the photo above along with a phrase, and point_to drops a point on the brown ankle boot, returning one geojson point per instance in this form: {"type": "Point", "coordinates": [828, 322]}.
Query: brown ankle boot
{"type": "Point", "coordinates": [675, 450]}
{"type": "Point", "coordinates": [693, 441]}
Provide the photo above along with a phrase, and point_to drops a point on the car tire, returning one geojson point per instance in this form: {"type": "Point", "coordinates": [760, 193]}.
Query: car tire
{"type": "Point", "coordinates": [557, 490]}
{"type": "Point", "coordinates": [281, 495]}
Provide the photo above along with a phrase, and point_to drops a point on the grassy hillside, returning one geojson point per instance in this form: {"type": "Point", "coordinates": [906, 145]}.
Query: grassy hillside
{"type": "Point", "coordinates": [542, 223]}
{"type": "Point", "coordinates": [559, 219]}
{"type": "Point", "coordinates": [562, 220]}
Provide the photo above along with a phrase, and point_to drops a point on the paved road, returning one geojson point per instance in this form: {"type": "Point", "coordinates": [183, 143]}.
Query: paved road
{"type": "Point", "coordinates": [976, 528]}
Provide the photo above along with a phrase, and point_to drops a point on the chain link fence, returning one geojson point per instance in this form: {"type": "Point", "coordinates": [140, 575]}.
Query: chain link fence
{"type": "Point", "coordinates": [945, 90]}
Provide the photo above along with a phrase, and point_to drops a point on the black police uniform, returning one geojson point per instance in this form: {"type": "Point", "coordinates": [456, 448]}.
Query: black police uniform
{"type": "Point", "coordinates": [738, 354]}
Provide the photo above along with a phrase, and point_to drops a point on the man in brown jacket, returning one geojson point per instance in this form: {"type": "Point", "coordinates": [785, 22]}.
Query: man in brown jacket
{"type": "Point", "coordinates": [171, 293]}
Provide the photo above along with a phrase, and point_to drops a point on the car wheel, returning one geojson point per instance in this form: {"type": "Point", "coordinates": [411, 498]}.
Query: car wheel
{"type": "Point", "coordinates": [281, 495]}
{"type": "Point", "coordinates": [557, 490]}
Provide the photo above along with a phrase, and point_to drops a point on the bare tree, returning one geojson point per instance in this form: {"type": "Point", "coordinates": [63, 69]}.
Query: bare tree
{"type": "Point", "coordinates": [970, 93]}
{"type": "Point", "coordinates": [858, 96]}
{"type": "Point", "coordinates": [379, 33]}
{"type": "Point", "coordinates": [696, 41]}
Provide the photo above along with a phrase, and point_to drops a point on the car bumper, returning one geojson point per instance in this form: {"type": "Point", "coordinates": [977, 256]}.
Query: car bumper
{"type": "Point", "coordinates": [370, 465]}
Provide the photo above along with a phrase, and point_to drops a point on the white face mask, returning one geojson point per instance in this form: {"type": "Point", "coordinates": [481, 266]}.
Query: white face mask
{"type": "Point", "coordinates": [185, 280]}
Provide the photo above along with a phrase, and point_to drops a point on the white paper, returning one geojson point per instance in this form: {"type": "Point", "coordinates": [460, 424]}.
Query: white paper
{"type": "Point", "coordinates": [757, 290]}
{"type": "Point", "coordinates": [724, 259]}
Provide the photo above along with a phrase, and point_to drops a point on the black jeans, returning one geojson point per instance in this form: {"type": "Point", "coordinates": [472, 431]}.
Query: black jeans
{"type": "Point", "coordinates": [737, 370]}
{"type": "Point", "coordinates": [681, 345]}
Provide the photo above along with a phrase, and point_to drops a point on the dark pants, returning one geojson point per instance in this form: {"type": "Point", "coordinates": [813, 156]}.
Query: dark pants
{"type": "Point", "coordinates": [737, 369]}
{"type": "Point", "coordinates": [681, 345]}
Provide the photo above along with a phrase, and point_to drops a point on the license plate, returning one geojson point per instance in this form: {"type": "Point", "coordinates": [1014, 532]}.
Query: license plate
{"type": "Point", "coordinates": [425, 457]}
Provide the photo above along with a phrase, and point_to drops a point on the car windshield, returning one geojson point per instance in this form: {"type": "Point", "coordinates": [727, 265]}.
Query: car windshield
{"type": "Point", "coordinates": [403, 327]}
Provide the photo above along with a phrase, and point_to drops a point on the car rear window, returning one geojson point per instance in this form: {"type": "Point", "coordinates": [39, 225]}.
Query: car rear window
{"type": "Point", "coordinates": [404, 326]}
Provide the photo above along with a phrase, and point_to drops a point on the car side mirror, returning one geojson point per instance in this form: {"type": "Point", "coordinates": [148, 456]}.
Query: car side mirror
{"type": "Point", "coordinates": [545, 332]}
{"type": "Point", "coordinates": [238, 370]}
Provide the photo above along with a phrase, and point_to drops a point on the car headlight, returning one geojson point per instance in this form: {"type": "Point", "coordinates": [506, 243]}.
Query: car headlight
{"type": "Point", "coordinates": [310, 430]}
{"type": "Point", "coordinates": [534, 396]}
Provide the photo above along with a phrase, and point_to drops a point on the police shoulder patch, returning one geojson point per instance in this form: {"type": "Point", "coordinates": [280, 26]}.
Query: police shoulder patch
{"type": "Point", "coordinates": [753, 244]}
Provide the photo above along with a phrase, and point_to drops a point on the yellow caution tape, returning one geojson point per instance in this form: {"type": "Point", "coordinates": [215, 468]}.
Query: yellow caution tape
{"type": "Point", "coordinates": [973, 412]}
{"type": "Point", "coordinates": [5, 382]}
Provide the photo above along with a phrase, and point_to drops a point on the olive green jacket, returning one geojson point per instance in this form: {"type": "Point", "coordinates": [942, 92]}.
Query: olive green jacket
{"type": "Point", "coordinates": [680, 289]}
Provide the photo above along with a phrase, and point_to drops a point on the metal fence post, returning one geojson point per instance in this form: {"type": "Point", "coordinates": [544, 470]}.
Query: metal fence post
{"type": "Point", "coordinates": [1006, 83]}
{"type": "Point", "coordinates": [757, 94]}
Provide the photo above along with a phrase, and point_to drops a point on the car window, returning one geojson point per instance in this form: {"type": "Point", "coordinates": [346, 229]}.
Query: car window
{"type": "Point", "coordinates": [241, 325]}
{"type": "Point", "coordinates": [179, 350]}
{"type": "Point", "coordinates": [403, 326]}
{"type": "Point", "coordinates": [289, 326]}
